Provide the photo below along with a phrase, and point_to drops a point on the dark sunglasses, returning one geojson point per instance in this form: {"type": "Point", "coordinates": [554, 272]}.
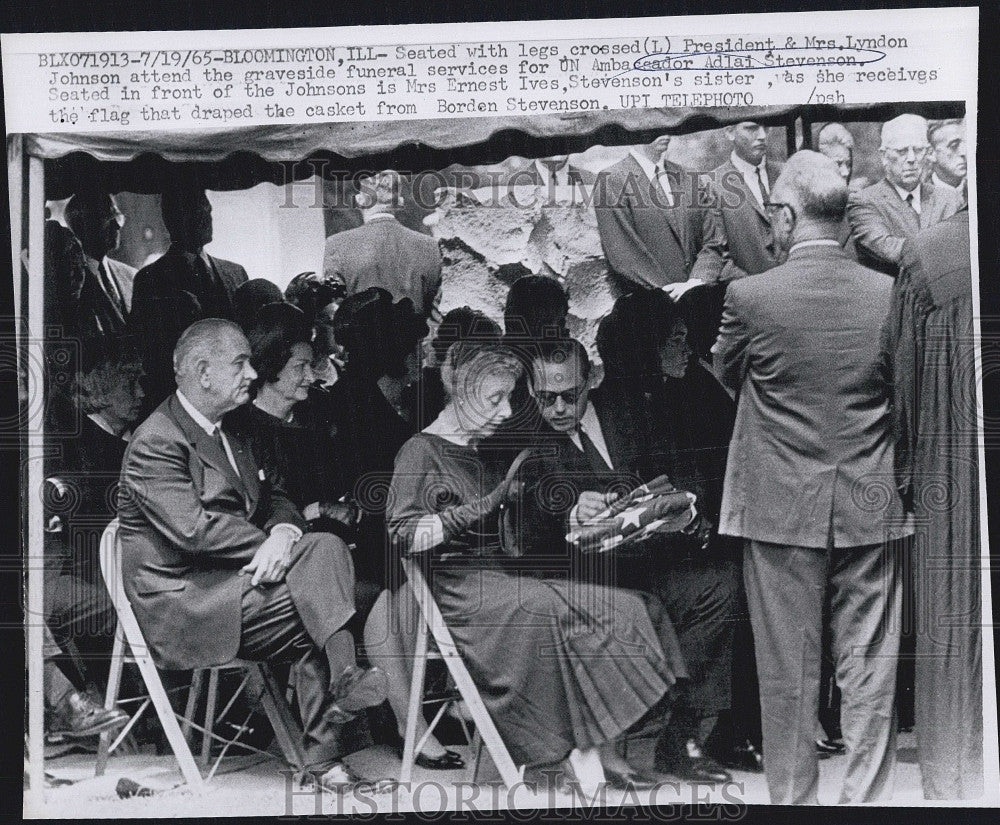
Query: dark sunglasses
{"type": "Point", "coordinates": [569, 397]}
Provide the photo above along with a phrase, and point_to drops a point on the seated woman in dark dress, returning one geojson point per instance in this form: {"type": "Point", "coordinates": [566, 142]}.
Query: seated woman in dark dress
{"type": "Point", "coordinates": [564, 668]}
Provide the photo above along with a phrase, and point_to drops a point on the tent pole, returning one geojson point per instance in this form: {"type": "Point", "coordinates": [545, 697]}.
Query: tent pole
{"type": "Point", "coordinates": [34, 613]}
{"type": "Point", "coordinates": [15, 191]}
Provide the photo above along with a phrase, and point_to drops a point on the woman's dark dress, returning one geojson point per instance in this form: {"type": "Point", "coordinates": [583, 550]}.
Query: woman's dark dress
{"type": "Point", "coordinates": [560, 664]}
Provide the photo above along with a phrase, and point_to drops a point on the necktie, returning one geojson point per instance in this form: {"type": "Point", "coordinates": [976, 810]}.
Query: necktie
{"type": "Point", "coordinates": [594, 457]}
{"type": "Point", "coordinates": [764, 195]}
{"type": "Point", "coordinates": [663, 179]}
{"type": "Point", "coordinates": [910, 202]}
{"type": "Point", "coordinates": [212, 295]}
{"type": "Point", "coordinates": [217, 438]}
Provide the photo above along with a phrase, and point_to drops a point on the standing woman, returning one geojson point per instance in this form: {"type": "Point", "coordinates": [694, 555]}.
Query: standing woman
{"type": "Point", "coordinates": [565, 669]}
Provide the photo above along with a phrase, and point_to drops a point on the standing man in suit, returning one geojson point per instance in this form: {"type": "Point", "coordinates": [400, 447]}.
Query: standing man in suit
{"type": "Point", "coordinates": [805, 488]}
{"type": "Point", "coordinates": [181, 287]}
{"type": "Point", "coordinates": [649, 214]}
{"type": "Point", "coordinates": [105, 296]}
{"type": "Point", "coordinates": [738, 236]}
{"type": "Point", "coordinates": [596, 444]}
{"type": "Point", "coordinates": [555, 173]}
{"type": "Point", "coordinates": [947, 139]}
{"type": "Point", "coordinates": [214, 560]}
{"type": "Point", "coordinates": [886, 213]}
{"type": "Point", "coordinates": [383, 253]}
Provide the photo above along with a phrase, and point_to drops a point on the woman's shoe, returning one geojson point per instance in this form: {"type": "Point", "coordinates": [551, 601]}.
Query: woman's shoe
{"type": "Point", "coordinates": [447, 761]}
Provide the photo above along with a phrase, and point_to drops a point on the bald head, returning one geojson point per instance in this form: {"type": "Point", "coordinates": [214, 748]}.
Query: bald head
{"type": "Point", "coordinates": [811, 185]}
{"type": "Point", "coordinates": [904, 150]}
{"type": "Point", "coordinates": [212, 366]}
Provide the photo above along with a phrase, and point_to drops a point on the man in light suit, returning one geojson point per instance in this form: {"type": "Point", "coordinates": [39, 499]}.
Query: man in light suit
{"type": "Point", "coordinates": [214, 560]}
{"type": "Point", "coordinates": [105, 295]}
{"type": "Point", "coordinates": [809, 487]}
{"type": "Point", "coordinates": [384, 253]}
{"type": "Point", "coordinates": [738, 237]}
{"type": "Point", "coordinates": [886, 213]}
{"type": "Point", "coordinates": [649, 214]}
{"type": "Point", "coordinates": [179, 288]}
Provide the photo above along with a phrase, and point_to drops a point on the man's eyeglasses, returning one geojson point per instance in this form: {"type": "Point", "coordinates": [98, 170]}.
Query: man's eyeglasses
{"type": "Point", "coordinates": [569, 397]}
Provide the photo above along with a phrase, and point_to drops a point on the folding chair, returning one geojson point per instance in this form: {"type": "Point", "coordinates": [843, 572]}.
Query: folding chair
{"type": "Point", "coordinates": [130, 648]}
{"type": "Point", "coordinates": [431, 622]}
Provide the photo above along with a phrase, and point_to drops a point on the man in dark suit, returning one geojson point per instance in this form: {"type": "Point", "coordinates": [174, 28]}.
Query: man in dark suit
{"type": "Point", "coordinates": [179, 288]}
{"type": "Point", "coordinates": [806, 487]}
{"type": "Point", "coordinates": [383, 253]}
{"type": "Point", "coordinates": [105, 297]}
{"type": "Point", "coordinates": [649, 213]}
{"type": "Point", "coordinates": [886, 213]}
{"type": "Point", "coordinates": [738, 236]}
{"type": "Point", "coordinates": [596, 445]}
{"type": "Point", "coordinates": [214, 561]}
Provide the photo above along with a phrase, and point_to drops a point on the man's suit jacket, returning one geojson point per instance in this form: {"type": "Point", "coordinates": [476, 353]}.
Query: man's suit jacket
{"type": "Point", "coordinates": [881, 220]}
{"type": "Point", "coordinates": [167, 297]}
{"type": "Point", "coordinates": [96, 313]}
{"type": "Point", "coordinates": [557, 472]}
{"type": "Point", "coordinates": [645, 241]}
{"type": "Point", "coordinates": [188, 524]}
{"type": "Point", "coordinates": [386, 254]}
{"type": "Point", "coordinates": [738, 239]}
{"type": "Point", "coordinates": [811, 458]}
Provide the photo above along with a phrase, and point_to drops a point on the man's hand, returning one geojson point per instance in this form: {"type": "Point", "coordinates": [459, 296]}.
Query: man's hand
{"type": "Point", "coordinates": [591, 504]}
{"type": "Point", "coordinates": [272, 559]}
{"type": "Point", "coordinates": [675, 291]}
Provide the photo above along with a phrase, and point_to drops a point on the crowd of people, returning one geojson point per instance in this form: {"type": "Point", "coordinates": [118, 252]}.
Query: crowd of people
{"type": "Point", "coordinates": [272, 456]}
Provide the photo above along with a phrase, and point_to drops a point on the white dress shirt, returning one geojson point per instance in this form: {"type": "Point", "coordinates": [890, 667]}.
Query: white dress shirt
{"type": "Point", "coordinates": [903, 194]}
{"type": "Point", "coordinates": [652, 171]}
{"type": "Point", "coordinates": [749, 175]}
{"type": "Point", "coordinates": [98, 419]}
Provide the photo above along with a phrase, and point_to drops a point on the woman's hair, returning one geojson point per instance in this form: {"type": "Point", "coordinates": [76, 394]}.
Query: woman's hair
{"type": "Point", "coordinates": [630, 336]}
{"type": "Point", "coordinates": [462, 324]}
{"type": "Point", "coordinates": [377, 333]}
{"type": "Point", "coordinates": [111, 361]}
{"type": "Point", "coordinates": [536, 306]}
{"type": "Point", "coordinates": [277, 328]}
{"type": "Point", "coordinates": [250, 296]}
{"type": "Point", "coordinates": [466, 361]}
{"type": "Point", "coordinates": [311, 292]}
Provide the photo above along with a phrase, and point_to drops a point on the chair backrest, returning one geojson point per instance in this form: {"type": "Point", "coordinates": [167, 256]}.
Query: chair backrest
{"type": "Point", "coordinates": [111, 571]}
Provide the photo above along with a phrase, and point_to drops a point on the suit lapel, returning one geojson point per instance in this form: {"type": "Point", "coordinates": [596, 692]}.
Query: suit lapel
{"type": "Point", "coordinates": [907, 214]}
{"type": "Point", "coordinates": [671, 215]}
{"type": "Point", "coordinates": [248, 470]}
{"type": "Point", "coordinates": [206, 447]}
{"type": "Point", "coordinates": [751, 199]}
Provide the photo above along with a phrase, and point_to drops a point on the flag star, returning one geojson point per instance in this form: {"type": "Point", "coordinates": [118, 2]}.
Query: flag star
{"type": "Point", "coordinates": [633, 517]}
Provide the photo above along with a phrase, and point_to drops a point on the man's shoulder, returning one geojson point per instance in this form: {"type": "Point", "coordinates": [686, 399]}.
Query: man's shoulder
{"type": "Point", "coordinates": [872, 193]}
{"type": "Point", "coordinates": [620, 170]}
{"type": "Point", "coordinates": [231, 266]}
{"type": "Point", "coordinates": [160, 426]}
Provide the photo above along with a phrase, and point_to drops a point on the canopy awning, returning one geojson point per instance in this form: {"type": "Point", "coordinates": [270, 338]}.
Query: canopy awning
{"type": "Point", "coordinates": [241, 157]}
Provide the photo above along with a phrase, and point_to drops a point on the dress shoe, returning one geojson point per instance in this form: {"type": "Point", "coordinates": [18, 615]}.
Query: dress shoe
{"type": "Point", "coordinates": [633, 780]}
{"type": "Point", "coordinates": [688, 762]}
{"type": "Point", "coordinates": [743, 757]}
{"type": "Point", "coordinates": [78, 716]}
{"type": "Point", "coordinates": [357, 688]}
{"type": "Point", "coordinates": [829, 747]}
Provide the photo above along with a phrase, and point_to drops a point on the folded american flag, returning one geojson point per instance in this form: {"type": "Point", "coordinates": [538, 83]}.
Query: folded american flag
{"type": "Point", "coordinates": [656, 507]}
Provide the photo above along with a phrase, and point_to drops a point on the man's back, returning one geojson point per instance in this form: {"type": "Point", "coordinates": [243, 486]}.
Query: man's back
{"type": "Point", "coordinates": [386, 254]}
{"type": "Point", "coordinates": [811, 449]}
